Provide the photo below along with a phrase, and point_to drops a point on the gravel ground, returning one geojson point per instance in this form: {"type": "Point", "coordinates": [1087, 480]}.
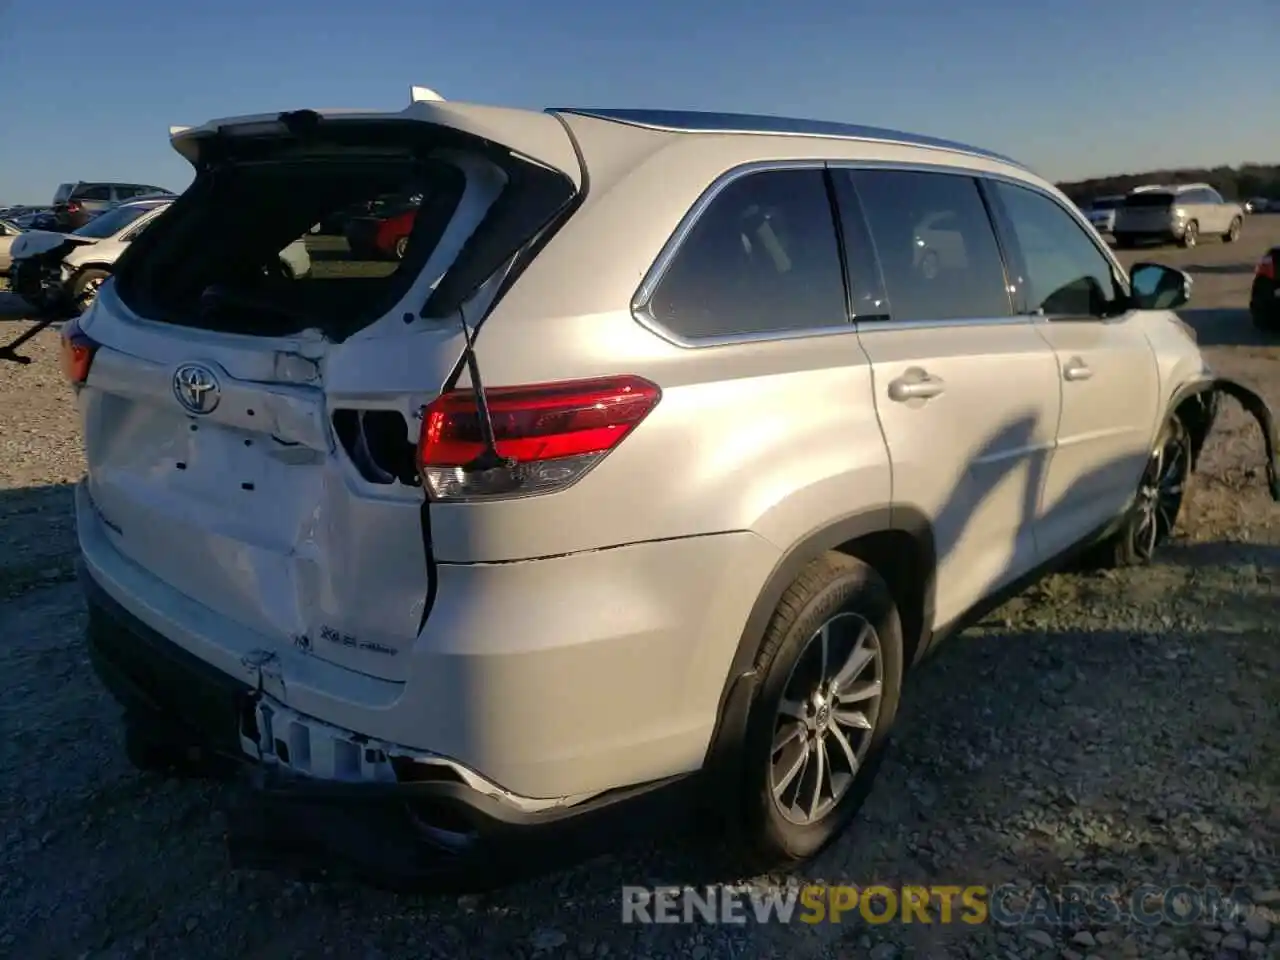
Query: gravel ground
{"type": "Point", "coordinates": [1101, 729]}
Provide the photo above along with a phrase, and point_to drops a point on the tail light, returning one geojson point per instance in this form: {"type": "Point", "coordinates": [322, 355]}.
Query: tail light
{"type": "Point", "coordinates": [1266, 267]}
{"type": "Point", "coordinates": [77, 352]}
{"type": "Point", "coordinates": [73, 206]}
{"type": "Point", "coordinates": [549, 435]}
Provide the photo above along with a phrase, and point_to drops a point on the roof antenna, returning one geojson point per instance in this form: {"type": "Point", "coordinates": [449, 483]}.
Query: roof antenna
{"type": "Point", "coordinates": [500, 472]}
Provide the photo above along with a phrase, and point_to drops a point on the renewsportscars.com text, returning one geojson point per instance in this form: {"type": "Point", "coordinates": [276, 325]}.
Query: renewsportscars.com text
{"type": "Point", "coordinates": [1006, 905]}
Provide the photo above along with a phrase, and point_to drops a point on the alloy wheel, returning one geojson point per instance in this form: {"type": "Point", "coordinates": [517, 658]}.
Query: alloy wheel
{"type": "Point", "coordinates": [824, 722]}
{"type": "Point", "coordinates": [1160, 495]}
{"type": "Point", "coordinates": [88, 294]}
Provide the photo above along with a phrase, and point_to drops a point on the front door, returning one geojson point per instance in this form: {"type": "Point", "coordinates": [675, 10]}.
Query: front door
{"type": "Point", "coordinates": [1107, 370]}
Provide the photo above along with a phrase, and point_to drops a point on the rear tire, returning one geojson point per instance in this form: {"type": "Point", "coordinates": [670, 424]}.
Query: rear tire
{"type": "Point", "coordinates": [1190, 235]}
{"type": "Point", "coordinates": [831, 675]}
{"type": "Point", "coordinates": [1233, 232]}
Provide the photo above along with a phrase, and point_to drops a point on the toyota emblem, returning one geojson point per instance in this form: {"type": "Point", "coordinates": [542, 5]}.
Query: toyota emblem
{"type": "Point", "coordinates": [196, 387]}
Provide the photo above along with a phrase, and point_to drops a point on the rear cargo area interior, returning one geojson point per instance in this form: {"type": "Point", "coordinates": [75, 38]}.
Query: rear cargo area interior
{"type": "Point", "coordinates": [217, 264]}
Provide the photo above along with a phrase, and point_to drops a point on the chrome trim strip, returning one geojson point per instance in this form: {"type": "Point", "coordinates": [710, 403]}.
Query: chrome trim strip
{"type": "Point", "coordinates": [707, 122]}
{"type": "Point", "coordinates": [1016, 320]}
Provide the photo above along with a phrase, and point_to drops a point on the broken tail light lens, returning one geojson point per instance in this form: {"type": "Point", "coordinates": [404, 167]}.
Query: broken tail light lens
{"type": "Point", "coordinates": [549, 435]}
{"type": "Point", "coordinates": [1266, 267]}
{"type": "Point", "coordinates": [77, 352]}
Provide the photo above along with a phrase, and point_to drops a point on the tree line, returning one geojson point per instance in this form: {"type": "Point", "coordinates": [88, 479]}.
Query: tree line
{"type": "Point", "coordinates": [1234, 183]}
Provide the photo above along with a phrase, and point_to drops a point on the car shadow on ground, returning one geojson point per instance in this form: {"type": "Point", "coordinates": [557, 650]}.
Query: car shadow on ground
{"type": "Point", "coordinates": [1222, 269]}
{"type": "Point", "coordinates": [13, 307]}
{"type": "Point", "coordinates": [1014, 760]}
{"type": "Point", "coordinates": [1225, 327]}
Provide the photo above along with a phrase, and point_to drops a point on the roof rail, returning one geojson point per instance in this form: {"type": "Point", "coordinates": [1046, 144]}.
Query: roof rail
{"type": "Point", "coordinates": [694, 121]}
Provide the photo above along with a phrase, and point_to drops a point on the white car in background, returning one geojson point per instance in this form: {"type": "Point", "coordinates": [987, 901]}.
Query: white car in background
{"type": "Point", "coordinates": [66, 270]}
{"type": "Point", "coordinates": [9, 232]}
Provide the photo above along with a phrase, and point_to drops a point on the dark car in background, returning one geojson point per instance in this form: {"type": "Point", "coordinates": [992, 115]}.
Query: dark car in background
{"type": "Point", "coordinates": [29, 218]}
{"type": "Point", "coordinates": [75, 204]}
{"type": "Point", "coordinates": [1264, 298]}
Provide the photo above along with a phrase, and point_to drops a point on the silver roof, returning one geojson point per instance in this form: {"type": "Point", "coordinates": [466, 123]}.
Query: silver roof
{"type": "Point", "coordinates": [695, 121]}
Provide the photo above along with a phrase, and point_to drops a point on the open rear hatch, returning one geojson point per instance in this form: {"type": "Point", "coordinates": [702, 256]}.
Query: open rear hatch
{"type": "Point", "coordinates": [250, 436]}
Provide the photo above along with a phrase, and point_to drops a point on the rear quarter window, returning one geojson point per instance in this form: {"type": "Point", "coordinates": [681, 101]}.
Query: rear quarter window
{"type": "Point", "coordinates": [761, 258]}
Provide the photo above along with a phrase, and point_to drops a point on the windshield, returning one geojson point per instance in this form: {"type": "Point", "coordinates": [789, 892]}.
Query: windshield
{"type": "Point", "coordinates": [113, 221]}
{"type": "Point", "coordinates": [1149, 199]}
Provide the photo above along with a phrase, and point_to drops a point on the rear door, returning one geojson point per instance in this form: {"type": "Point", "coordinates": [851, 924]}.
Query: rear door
{"type": "Point", "coordinates": [250, 437]}
{"type": "Point", "coordinates": [967, 393]}
{"type": "Point", "coordinates": [1105, 365]}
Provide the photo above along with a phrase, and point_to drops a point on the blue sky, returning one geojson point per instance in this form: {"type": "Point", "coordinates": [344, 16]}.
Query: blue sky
{"type": "Point", "coordinates": [1073, 87]}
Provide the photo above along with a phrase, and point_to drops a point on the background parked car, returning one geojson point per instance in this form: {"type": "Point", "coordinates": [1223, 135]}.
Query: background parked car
{"type": "Point", "coordinates": [31, 218]}
{"type": "Point", "coordinates": [8, 233]}
{"type": "Point", "coordinates": [1102, 213]}
{"type": "Point", "coordinates": [1180, 213]}
{"type": "Point", "coordinates": [74, 204]}
{"type": "Point", "coordinates": [66, 270]}
{"type": "Point", "coordinates": [1264, 298]}
{"type": "Point", "coordinates": [383, 233]}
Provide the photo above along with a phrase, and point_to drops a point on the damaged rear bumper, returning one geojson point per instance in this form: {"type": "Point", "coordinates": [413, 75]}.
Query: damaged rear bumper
{"type": "Point", "coordinates": [437, 833]}
{"type": "Point", "coordinates": [1262, 414]}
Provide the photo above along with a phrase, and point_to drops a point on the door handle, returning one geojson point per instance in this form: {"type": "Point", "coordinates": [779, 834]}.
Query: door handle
{"type": "Point", "coordinates": [1076, 369]}
{"type": "Point", "coordinates": [915, 384]}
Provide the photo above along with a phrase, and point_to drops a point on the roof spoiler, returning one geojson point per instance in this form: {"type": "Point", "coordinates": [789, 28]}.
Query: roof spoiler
{"type": "Point", "coordinates": [423, 95]}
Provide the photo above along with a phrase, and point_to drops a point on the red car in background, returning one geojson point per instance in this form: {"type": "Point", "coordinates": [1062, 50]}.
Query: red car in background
{"type": "Point", "coordinates": [383, 234]}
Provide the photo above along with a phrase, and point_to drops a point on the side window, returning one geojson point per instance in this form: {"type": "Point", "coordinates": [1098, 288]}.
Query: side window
{"type": "Point", "coordinates": [100, 192]}
{"type": "Point", "coordinates": [762, 257]}
{"type": "Point", "coordinates": [935, 243]}
{"type": "Point", "coordinates": [1212, 196]}
{"type": "Point", "coordinates": [1067, 275]}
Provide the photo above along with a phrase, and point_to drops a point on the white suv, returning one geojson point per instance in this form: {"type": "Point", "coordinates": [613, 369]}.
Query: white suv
{"type": "Point", "coordinates": [671, 443]}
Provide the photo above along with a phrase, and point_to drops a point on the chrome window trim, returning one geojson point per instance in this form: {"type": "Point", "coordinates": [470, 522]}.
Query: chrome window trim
{"type": "Point", "coordinates": [644, 293]}
{"type": "Point", "coordinates": [1015, 320]}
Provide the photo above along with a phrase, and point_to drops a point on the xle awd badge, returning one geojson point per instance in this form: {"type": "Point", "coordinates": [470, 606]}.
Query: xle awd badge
{"type": "Point", "coordinates": [196, 388]}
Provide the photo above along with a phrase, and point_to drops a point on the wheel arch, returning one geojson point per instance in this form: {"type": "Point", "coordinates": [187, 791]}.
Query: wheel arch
{"type": "Point", "coordinates": [1195, 403]}
{"type": "Point", "coordinates": [897, 542]}
{"type": "Point", "coordinates": [102, 265]}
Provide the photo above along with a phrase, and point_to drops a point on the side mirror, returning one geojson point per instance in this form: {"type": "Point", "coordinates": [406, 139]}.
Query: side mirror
{"type": "Point", "coordinates": [1157, 287]}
